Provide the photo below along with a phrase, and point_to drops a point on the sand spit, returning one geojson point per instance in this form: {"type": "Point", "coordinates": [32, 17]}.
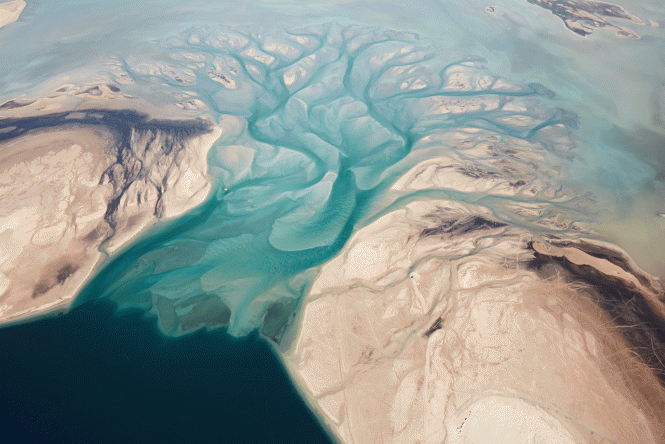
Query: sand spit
{"type": "Point", "coordinates": [81, 182]}
{"type": "Point", "coordinates": [439, 324]}
{"type": "Point", "coordinates": [10, 11]}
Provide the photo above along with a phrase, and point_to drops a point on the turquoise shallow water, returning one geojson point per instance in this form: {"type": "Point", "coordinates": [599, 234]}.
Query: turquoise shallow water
{"type": "Point", "coordinates": [324, 106]}
{"type": "Point", "coordinates": [318, 123]}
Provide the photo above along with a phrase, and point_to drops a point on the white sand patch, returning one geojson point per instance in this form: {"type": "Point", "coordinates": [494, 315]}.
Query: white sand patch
{"type": "Point", "coordinates": [259, 56]}
{"type": "Point", "coordinates": [502, 420]}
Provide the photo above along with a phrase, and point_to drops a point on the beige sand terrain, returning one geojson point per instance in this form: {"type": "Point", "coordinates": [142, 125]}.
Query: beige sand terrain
{"type": "Point", "coordinates": [441, 323]}
{"type": "Point", "coordinates": [10, 11]}
{"type": "Point", "coordinates": [432, 326]}
{"type": "Point", "coordinates": [74, 192]}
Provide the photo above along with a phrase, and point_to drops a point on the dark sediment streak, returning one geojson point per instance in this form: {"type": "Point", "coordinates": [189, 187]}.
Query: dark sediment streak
{"type": "Point", "coordinates": [641, 326]}
{"type": "Point", "coordinates": [13, 104]}
{"type": "Point", "coordinates": [135, 134]}
{"type": "Point", "coordinates": [436, 326]}
{"type": "Point", "coordinates": [462, 226]}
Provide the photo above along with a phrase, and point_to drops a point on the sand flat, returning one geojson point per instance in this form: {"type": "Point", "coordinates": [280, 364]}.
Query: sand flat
{"type": "Point", "coordinates": [456, 337]}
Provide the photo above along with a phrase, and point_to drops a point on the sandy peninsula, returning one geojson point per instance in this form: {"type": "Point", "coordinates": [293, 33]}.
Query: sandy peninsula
{"type": "Point", "coordinates": [437, 323]}
{"type": "Point", "coordinates": [82, 172]}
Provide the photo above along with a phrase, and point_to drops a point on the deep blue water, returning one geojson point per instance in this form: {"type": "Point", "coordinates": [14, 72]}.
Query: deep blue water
{"type": "Point", "coordinates": [96, 375]}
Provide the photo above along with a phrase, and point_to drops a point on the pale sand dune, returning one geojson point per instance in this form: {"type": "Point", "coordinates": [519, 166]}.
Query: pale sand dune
{"type": "Point", "coordinates": [422, 332]}
{"type": "Point", "coordinates": [70, 192]}
{"type": "Point", "coordinates": [10, 11]}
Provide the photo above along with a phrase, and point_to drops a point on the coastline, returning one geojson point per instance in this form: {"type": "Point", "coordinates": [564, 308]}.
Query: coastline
{"type": "Point", "coordinates": [472, 321]}
{"type": "Point", "coordinates": [68, 151]}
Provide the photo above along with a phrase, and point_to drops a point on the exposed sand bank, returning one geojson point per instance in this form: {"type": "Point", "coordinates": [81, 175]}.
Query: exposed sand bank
{"type": "Point", "coordinates": [437, 324]}
{"type": "Point", "coordinates": [583, 16]}
{"type": "Point", "coordinates": [79, 179]}
{"type": "Point", "coordinates": [10, 11]}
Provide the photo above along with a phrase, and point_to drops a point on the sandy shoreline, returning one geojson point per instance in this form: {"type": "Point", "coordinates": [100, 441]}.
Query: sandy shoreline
{"type": "Point", "coordinates": [435, 338]}
{"type": "Point", "coordinates": [68, 198]}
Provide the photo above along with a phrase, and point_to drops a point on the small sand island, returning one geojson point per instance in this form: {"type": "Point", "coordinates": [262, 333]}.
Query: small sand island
{"type": "Point", "coordinates": [10, 11]}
